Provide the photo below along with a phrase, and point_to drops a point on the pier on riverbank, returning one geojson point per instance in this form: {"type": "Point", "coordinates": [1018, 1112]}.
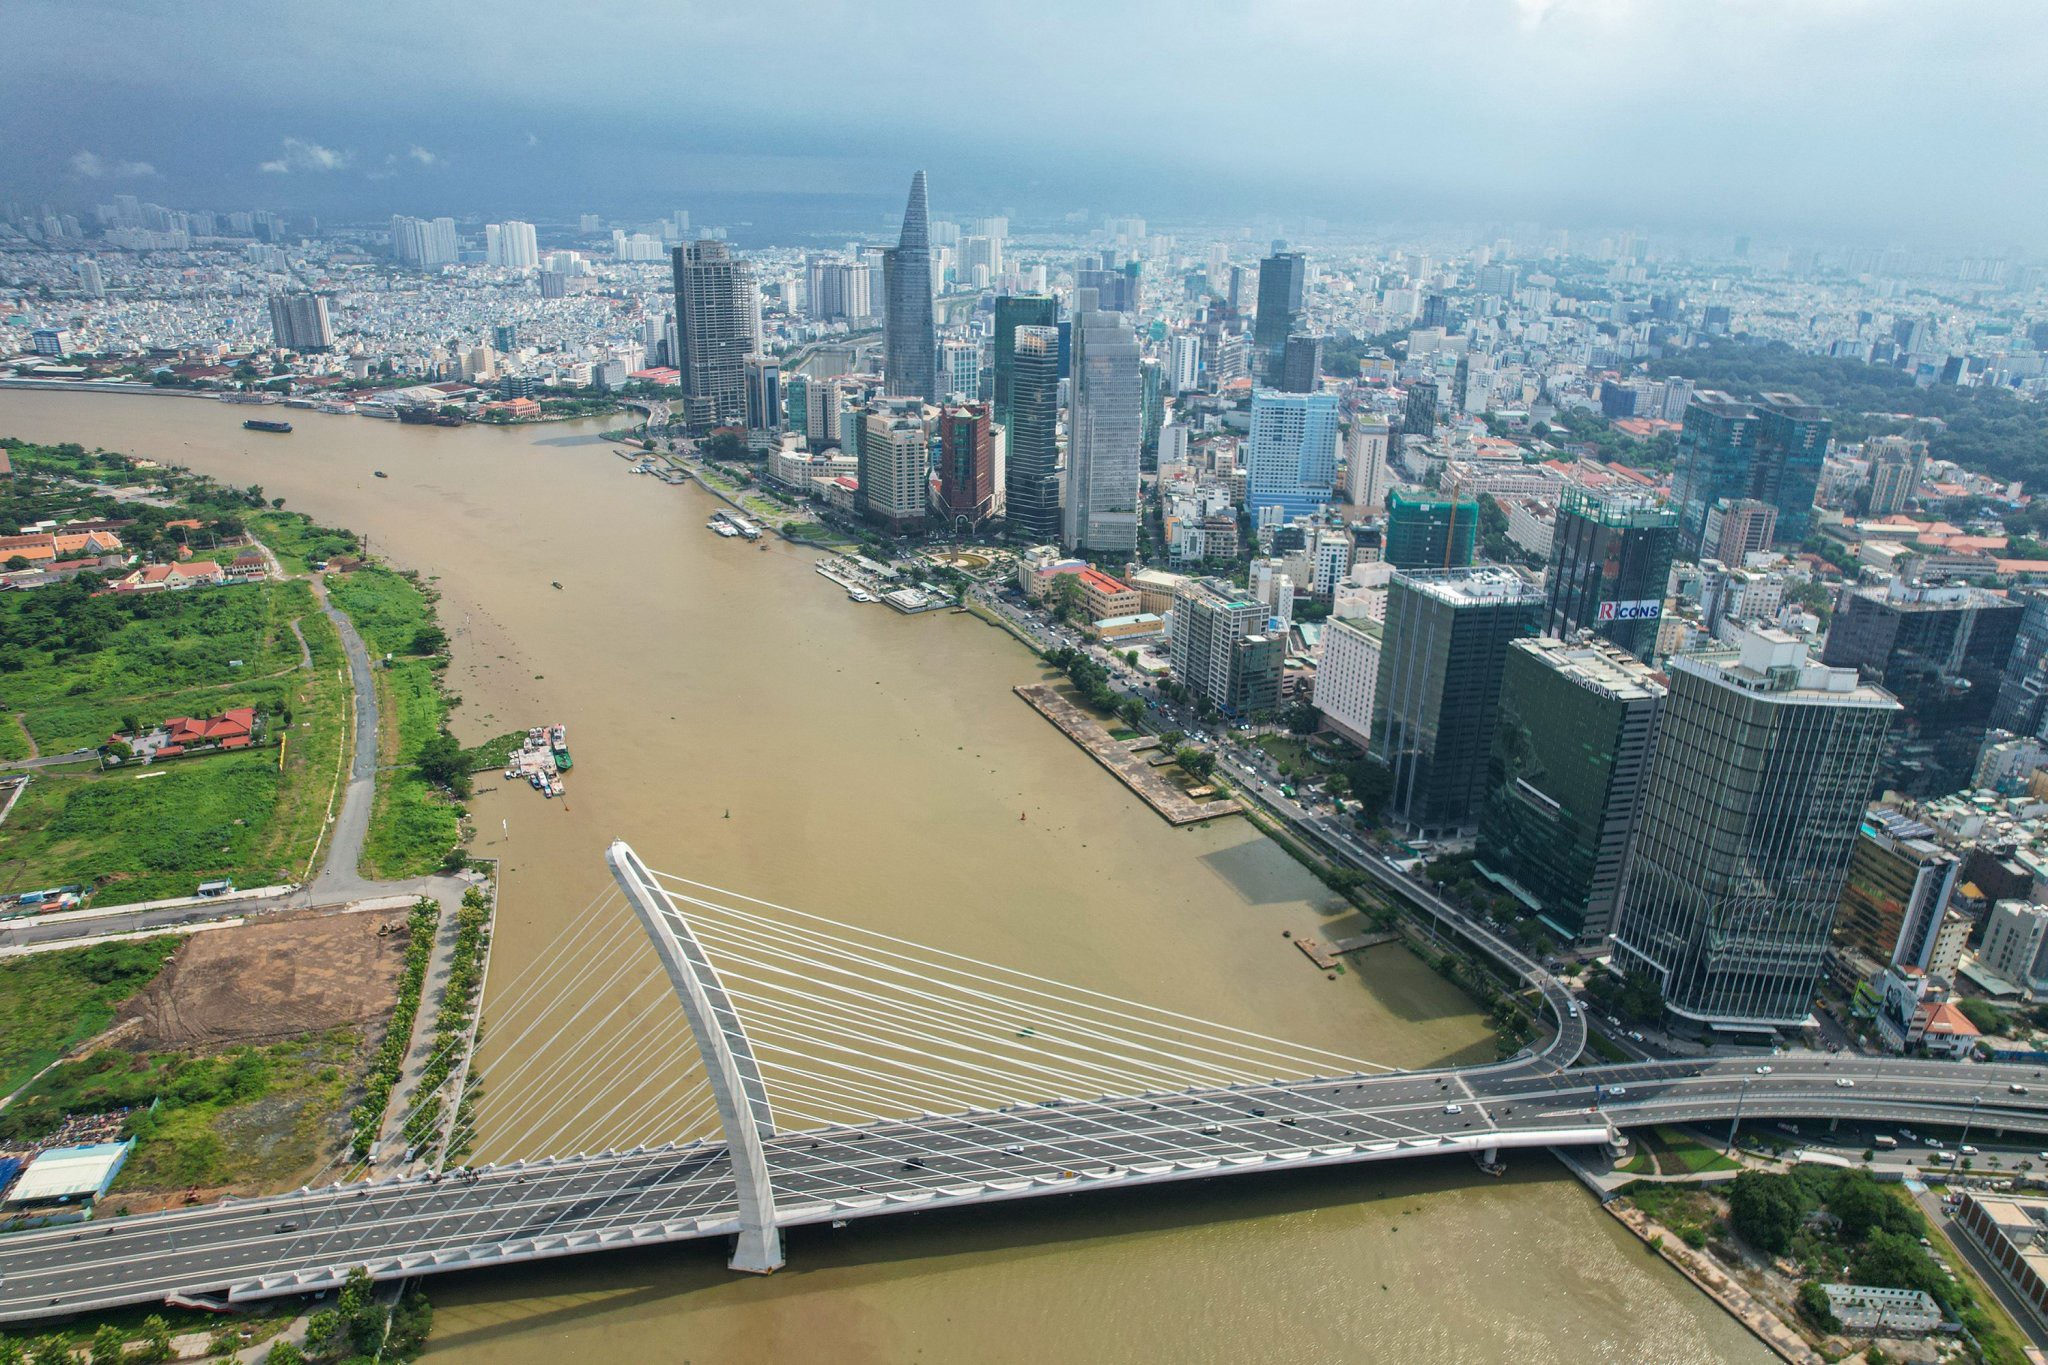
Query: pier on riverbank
{"type": "Point", "coordinates": [1125, 758]}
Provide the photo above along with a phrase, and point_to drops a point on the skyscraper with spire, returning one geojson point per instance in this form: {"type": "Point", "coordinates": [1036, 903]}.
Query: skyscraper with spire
{"type": "Point", "coordinates": [909, 339]}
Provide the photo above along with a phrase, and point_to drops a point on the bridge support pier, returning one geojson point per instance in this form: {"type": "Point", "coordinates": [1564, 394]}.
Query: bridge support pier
{"type": "Point", "coordinates": [729, 1064]}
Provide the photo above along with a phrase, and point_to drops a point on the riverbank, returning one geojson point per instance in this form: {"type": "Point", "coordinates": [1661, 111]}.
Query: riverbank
{"type": "Point", "coordinates": [874, 771]}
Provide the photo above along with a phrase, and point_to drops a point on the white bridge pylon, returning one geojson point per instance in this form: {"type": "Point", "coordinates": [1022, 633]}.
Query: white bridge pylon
{"type": "Point", "coordinates": [807, 1023]}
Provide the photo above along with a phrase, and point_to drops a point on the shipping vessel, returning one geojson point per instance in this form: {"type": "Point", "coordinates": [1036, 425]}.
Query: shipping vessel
{"type": "Point", "coordinates": [258, 424]}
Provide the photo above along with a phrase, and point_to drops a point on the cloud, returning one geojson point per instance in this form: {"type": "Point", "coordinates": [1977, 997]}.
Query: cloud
{"type": "Point", "coordinates": [307, 156]}
{"type": "Point", "coordinates": [423, 156]}
{"type": "Point", "coordinates": [92, 166]}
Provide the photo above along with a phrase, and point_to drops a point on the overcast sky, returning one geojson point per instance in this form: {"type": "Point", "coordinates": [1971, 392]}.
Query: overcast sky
{"type": "Point", "coordinates": [1881, 119]}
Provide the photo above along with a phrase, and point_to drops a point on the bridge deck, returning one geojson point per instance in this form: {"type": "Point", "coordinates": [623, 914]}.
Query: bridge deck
{"type": "Point", "coordinates": [294, 1243]}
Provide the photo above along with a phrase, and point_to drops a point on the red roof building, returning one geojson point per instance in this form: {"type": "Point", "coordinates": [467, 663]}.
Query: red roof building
{"type": "Point", "coordinates": [231, 729]}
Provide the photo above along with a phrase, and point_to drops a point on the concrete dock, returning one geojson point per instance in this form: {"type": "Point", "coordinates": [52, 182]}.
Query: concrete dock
{"type": "Point", "coordinates": [1124, 757]}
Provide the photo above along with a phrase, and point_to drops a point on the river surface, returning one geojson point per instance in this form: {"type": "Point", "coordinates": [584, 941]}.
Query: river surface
{"type": "Point", "coordinates": [742, 723]}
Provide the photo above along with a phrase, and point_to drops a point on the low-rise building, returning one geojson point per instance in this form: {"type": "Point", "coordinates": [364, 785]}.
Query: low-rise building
{"type": "Point", "coordinates": [1103, 597]}
{"type": "Point", "coordinates": [2012, 1229]}
{"type": "Point", "coordinates": [1867, 1310]}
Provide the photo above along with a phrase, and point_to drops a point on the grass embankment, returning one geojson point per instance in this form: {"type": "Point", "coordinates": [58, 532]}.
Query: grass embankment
{"type": "Point", "coordinates": [452, 1022]}
{"type": "Point", "coordinates": [1677, 1153]}
{"type": "Point", "coordinates": [51, 1002]}
{"type": "Point", "coordinates": [84, 668]}
{"type": "Point", "coordinates": [414, 826]}
{"type": "Point", "coordinates": [367, 1119]}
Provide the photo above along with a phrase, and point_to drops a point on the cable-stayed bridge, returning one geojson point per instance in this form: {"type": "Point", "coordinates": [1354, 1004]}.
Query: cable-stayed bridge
{"type": "Point", "coordinates": [821, 1072]}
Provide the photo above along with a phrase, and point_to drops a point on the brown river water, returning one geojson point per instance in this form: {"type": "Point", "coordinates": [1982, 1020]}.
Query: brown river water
{"type": "Point", "coordinates": [742, 723]}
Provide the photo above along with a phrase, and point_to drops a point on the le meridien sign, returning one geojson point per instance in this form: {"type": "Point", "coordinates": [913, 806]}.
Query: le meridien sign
{"type": "Point", "coordinates": [1632, 611]}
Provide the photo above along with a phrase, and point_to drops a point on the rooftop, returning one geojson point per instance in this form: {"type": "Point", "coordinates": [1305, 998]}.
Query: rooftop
{"type": "Point", "coordinates": [1480, 585]}
{"type": "Point", "coordinates": [1598, 666]}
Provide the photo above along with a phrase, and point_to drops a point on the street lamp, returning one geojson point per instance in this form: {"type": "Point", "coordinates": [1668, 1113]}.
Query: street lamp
{"type": "Point", "coordinates": [1736, 1122]}
{"type": "Point", "coordinates": [1964, 1141]}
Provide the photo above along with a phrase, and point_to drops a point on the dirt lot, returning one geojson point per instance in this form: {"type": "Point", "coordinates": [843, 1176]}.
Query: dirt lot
{"type": "Point", "coordinates": [279, 978]}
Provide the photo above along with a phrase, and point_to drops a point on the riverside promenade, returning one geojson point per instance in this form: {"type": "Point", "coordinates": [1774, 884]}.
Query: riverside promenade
{"type": "Point", "coordinates": [1124, 757]}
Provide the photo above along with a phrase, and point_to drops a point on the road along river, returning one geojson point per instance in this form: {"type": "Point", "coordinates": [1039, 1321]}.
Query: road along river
{"type": "Point", "coordinates": [739, 721]}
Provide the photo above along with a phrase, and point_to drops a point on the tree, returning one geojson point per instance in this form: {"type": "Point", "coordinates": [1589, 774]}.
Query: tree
{"type": "Point", "coordinates": [51, 1351]}
{"type": "Point", "coordinates": [1131, 709]}
{"type": "Point", "coordinates": [1815, 1308]}
{"type": "Point", "coordinates": [441, 762]}
{"type": "Point", "coordinates": [1068, 601]}
{"type": "Point", "coordinates": [1196, 763]}
{"type": "Point", "coordinates": [156, 1340]}
{"type": "Point", "coordinates": [285, 1353]}
{"type": "Point", "coordinates": [1767, 1209]}
{"type": "Point", "coordinates": [326, 1334]}
{"type": "Point", "coordinates": [109, 1345]}
{"type": "Point", "coordinates": [1982, 1014]}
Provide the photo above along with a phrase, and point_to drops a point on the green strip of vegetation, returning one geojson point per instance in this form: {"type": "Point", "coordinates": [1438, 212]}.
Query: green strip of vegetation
{"type": "Point", "coordinates": [50, 1002]}
{"type": "Point", "coordinates": [368, 1117]}
{"type": "Point", "coordinates": [416, 821]}
{"type": "Point", "coordinates": [451, 1022]}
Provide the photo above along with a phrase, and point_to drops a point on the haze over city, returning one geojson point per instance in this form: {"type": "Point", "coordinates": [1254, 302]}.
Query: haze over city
{"type": "Point", "coordinates": [1862, 119]}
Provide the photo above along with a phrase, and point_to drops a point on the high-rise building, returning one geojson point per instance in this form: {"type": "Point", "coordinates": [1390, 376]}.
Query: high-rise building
{"type": "Point", "coordinates": [909, 337]}
{"type": "Point", "coordinates": [1436, 311]}
{"type": "Point", "coordinates": [1418, 412]}
{"type": "Point", "coordinates": [1348, 676]}
{"type": "Point", "coordinates": [1104, 432]}
{"type": "Point", "coordinates": [1445, 645]}
{"type": "Point", "coordinates": [423, 242]}
{"type": "Point", "coordinates": [513, 244]}
{"type": "Point", "coordinates": [1221, 649]}
{"type": "Point", "coordinates": [1151, 410]}
{"type": "Point", "coordinates": [2022, 705]}
{"type": "Point", "coordinates": [1738, 528]}
{"type": "Point", "coordinates": [505, 338]}
{"type": "Point", "coordinates": [1430, 531]}
{"type": "Point", "coordinates": [1291, 454]}
{"type": "Point", "coordinates": [1283, 277]}
{"type": "Point", "coordinates": [1301, 364]}
{"type": "Point", "coordinates": [967, 467]}
{"type": "Point", "coordinates": [1610, 560]}
{"type": "Point", "coordinates": [91, 282]}
{"type": "Point", "coordinates": [1942, 652]}
{"type": "Point", "coordinates": [894, 464]}
{"type": "Point", "coordinates": [1365, 463]}
{"type": "Point", "coordinates": [1716, 450]}
{"type": "Point", "coordinates": [299, 322]}
{"type": "Point", "coordinates": [718, 325]}
{"type": "Point", "coordinates": [1791, 447]}
{"type": "Point", "coordinates": [1031, 470]}
{"type": "Point", "coordinates": [1014, 311]}
{"type": "Point", "coordinates": [960, 368]}
{"type": "Point", "coordinates": [1771, 452]}
{"type": "Point", "coordinates": [1897, 890]}
{"type": "Point", "coordinates": [838, 290]}
{"type": "Point", "coordinates": [764, 397]}
{"type": "Point", "coordinates": [1896, 464]}
{"type": "Point", "coordinates": [1763, 767]}
{"type": "Point", "coordinates": [2015, 947]}
{"type": "Point", "coordinates": [1185, 362]}
{"type": "Point", "coordinates": [1571, 752]}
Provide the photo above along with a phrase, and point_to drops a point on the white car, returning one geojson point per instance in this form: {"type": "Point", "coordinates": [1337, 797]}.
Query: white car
{"type": "Point", "coordinates": [1763, 1071]}
{"type": "Point", "coordinates": [1454, 1109]}
{"type": "Point", "coordinates": [1844, 1083]}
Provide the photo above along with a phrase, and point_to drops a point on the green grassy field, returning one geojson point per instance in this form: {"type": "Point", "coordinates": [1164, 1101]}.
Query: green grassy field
{"type": "Point", "coordinates": [253, 816]}
{"type": "Point", "coordinates": [53, 1001]}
